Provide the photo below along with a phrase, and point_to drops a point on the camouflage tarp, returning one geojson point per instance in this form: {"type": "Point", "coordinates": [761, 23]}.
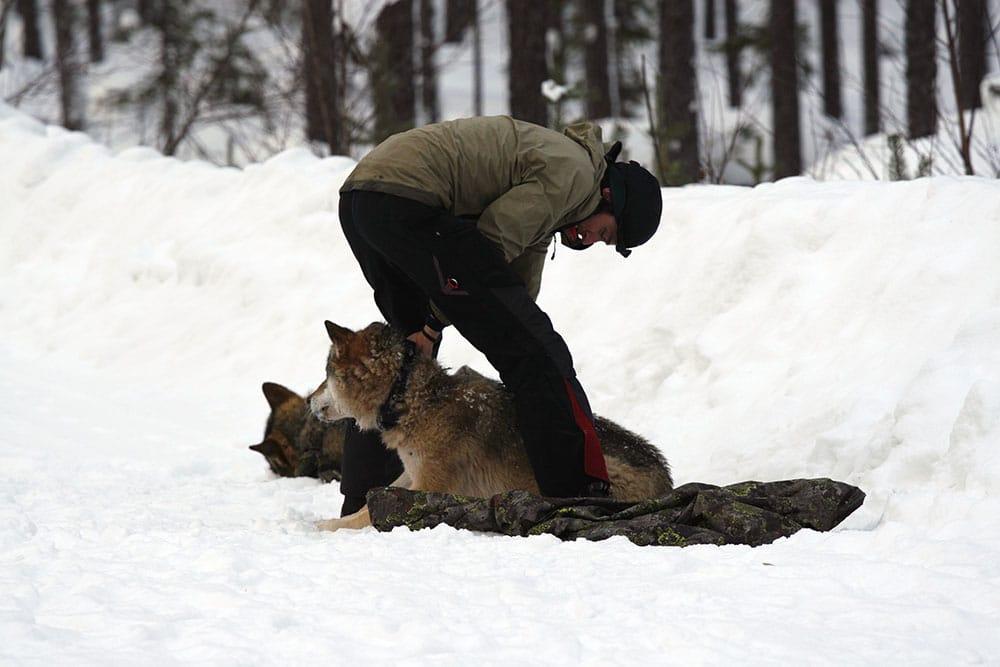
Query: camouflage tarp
{"type": "Point", "coordinates": [751, 513]}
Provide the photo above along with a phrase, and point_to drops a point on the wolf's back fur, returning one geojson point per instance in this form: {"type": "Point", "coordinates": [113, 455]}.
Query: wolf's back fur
{"type": "Point", "coordinates": [456, 433]}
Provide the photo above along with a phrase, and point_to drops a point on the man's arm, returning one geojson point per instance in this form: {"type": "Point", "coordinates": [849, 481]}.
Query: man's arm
{"type": "Point", "coordinates": [529, 266]}
{"type": "Point", "coordinates": [519, 219]}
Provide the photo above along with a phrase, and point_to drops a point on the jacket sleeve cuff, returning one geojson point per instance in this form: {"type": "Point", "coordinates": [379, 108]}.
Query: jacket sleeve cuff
{"type": "Point", "coordinates": [435, 323]}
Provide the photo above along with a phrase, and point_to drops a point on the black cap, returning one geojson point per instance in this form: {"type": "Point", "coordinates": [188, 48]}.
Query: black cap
{"type": "Point", "coordinates": [636, 200]}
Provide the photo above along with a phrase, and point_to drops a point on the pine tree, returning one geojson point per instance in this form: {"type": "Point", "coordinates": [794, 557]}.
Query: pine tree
{"type": "Point", "coordinates": [28, 9]}
{"type": "Point", "coordinates": [709, 20]}
{"type": "Point", "coordinates": [68, 64]}
{"type": "Point", "coordinates": [972, 22]}
{"type": "Point", "coordinates": [324, 120]}
{"type": "Point", "coordinates": [593, 27]}
{"type": "Point", "coordinates": [678, 119]}
{"type": "Point", "coordinates": [94, 34]}
{"type": "Point", "coordinates": [527, 21]}
{"type": "Point", "coordinates": [428, 64]}
{"type": "Point", "coordinates": [393, 73]}
{"type": "Point", "coordinates": [732, 47]}
{"type": "Point", "coordinates": [921, 68]}
{"type": "Point", "coordinates": [831, 58]}
{"type": "Point", "coordinates": [870, 65]}
{"type": "Point", "coordinates": [785, 89]}
{"type": "Point", "coordinates": [459, 15]}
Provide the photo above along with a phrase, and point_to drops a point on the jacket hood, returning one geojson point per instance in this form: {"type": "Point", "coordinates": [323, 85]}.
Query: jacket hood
{"type": "Point", "coordinates": [589, 136]}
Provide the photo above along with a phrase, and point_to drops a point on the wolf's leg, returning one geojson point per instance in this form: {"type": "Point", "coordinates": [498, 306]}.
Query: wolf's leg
{"type": "Point", "coordinates": [361, 518]}
{"type": "Point", "coordinates": [404, 481]}
{"type": "Point", "coordinates": [356, 521]}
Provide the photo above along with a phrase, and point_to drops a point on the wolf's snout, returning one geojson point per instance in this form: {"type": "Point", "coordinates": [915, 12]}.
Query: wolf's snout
{"type": "Point", "coordinates": [322, 405]}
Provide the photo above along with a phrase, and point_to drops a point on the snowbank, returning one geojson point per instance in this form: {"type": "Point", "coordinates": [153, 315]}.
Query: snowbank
{"type": "Point", "coordinates": [849, 330]}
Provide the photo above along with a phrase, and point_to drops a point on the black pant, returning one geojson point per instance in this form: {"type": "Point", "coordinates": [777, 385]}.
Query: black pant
{"type": "Point", "coordinates": [411, 254]}
{"type": "Point", "coordinates": [366, 464]}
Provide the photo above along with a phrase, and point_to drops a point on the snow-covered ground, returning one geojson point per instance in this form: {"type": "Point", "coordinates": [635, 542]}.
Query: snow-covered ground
{"type": "Point", "coordinates": [849, 330]}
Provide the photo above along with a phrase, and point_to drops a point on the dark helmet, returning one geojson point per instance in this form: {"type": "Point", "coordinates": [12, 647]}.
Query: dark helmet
{"type": "Point", "coordinates": [636, 201]}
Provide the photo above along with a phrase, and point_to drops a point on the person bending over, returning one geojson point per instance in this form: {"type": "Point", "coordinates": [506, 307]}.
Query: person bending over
{"type": "Point", "coordinates": [451, 223]}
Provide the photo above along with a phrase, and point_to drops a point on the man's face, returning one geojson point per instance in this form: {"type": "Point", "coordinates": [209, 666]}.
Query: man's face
{"type": "Point", "coordinates": [600, 227]}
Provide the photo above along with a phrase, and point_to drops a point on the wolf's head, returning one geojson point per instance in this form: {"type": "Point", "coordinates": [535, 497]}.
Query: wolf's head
{"type": "Point", "coordinates": [360, 371]}
{"type": "Point", "coordinates": [288, 415]}
{"type": "Point", "coordinates": [296, 443]}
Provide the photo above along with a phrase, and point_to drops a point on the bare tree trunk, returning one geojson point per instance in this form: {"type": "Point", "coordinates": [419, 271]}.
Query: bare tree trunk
{"type": "Point", "coordinates": [94, 31]}
{"type": "Point", "coordinates": [733, 55]}
{"type": "Point", "coordinates": [870, 65]}
{"type": "Point", "coordinates": [324, 121]}
{"type": "Point", "coordinates": [678, 123]}
{"type": "Point", "coordinates": [595, 58]}
{"type": "Point", "coordinates": [710, 19]}
{"type": "Point", "coordinates": [28, 9]}
{"type": "Point", "coordinates": [167, 20]}
{"type": "Point", "coordinates": [831, 59]}
{"type": "Point", "coordinates": [785, 89]}
{"type": "Point", "coordinates": [392, 81]}
{"type": "Point", "coordinates": [149, 11]}
{"type": "Point", "coordinates": [612, 34]}
{"type": "Point", "coordinates": [477, 62]}
{"type": "Point", "coordinates": [5, 7]}
{"type": "Point", "coordinates": [964, 129]}
{"type": "Point", "coordinates": [428, 66]}
{"type": "Point", "coordinates": [69, 66]}
{"type": "Point", "coordinates": [556, 58]}
{"type": "Point", "coordinates": [921, 68]}
{"type": "Point", "coordinates": [459, 15]}
{"type": "Point", "coordinates": [527, 21]}
{"type": "Point", "coordinates": [972, 26]}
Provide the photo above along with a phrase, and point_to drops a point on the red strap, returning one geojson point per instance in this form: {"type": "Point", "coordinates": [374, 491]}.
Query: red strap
{"type": "Point", "coordinates": [593, 457]}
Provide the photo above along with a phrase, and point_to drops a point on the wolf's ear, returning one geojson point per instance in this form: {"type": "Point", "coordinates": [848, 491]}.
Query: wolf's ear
{"type": "Point", "coordinates": [337, 334]}
{"type": "Point", "coordinates": [268, 448]}
{"type": "Point", "coordinates": [272, 452]}
{"type": "Point", "coordinates": [276, 394]}
{"type": "Point", "coordinates": [276, 458]}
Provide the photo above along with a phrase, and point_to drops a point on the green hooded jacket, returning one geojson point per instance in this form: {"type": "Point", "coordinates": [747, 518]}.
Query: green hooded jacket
{"type": "Point", "coordinates": [520, 182]}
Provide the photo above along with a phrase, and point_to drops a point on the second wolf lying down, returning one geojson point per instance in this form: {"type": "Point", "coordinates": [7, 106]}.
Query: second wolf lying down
{"type": "Point", "coordinates": [454, 433]}
{"type": "Point", "coordinates": [296, 443]}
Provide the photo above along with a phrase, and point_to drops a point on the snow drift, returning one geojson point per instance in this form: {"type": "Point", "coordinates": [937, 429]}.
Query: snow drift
{"type": "Point", "coordinates": [795, 329]}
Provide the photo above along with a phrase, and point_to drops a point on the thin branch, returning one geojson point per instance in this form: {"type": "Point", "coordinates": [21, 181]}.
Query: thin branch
{"type": "Point", "coordinates": [208, 85]}
{"type": "Point", "coordinates": [654, 134]}
{"type": "Point", "coordinates": [963, 135]}
{"type": "Point", "coordinates": [43, 79]}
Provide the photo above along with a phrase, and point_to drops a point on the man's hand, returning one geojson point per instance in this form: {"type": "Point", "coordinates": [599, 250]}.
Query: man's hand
{"type": "Point", "coordinates": [426, 340]}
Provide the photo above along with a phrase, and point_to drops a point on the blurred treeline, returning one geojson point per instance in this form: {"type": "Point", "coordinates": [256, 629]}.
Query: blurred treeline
{"type": "Point", "coordinates": [716, 89]}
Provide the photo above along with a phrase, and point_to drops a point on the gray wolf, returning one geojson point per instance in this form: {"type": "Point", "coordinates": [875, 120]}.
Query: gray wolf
{"type": "Point", "coordinates": [296, 443]}
{"type": "Point", "coordinates": [455, 433]}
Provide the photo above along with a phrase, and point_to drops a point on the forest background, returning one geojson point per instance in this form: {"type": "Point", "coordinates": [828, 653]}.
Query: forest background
{"type": "Point", "coordinates": [721, 91]}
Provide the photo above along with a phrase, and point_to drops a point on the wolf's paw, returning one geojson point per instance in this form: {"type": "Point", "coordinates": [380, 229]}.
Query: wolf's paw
{"type": "Point", "coordinates": [356, 521]}
{"type": "Point", "coordinates": [328, 524]}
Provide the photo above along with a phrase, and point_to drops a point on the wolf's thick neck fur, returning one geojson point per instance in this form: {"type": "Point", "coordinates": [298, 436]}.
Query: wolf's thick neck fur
{"type": "Point", "coordinates": [388, 412]}
{"type": "Point", "coordinates": [375, 378]}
